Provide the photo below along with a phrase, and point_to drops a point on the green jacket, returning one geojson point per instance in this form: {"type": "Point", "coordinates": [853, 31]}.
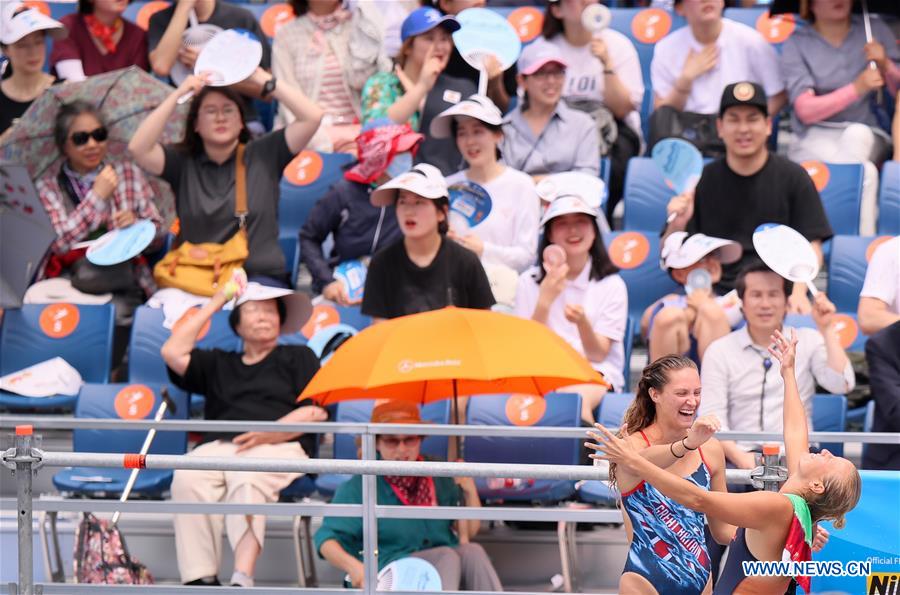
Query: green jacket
{"type": "Point", "coordinates": [397, 538]}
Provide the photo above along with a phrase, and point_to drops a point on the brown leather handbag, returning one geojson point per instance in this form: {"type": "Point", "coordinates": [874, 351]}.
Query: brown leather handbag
{"type": "Point", "coordinates": [201, 268]}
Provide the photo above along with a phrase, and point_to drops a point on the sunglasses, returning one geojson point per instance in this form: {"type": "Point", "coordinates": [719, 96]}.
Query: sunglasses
{"type": "Point", "coordinates": [98, 134]}
{"type": "Point", "coordinates": [395, 441]}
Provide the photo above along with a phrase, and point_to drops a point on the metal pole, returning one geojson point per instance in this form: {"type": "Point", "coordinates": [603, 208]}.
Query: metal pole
{"type": "Point", "coordinates": [370, 522]}
{"type": "Point", "coordinates": [145, 448]}
{"type": "Point", "coordinates": [23, 502]}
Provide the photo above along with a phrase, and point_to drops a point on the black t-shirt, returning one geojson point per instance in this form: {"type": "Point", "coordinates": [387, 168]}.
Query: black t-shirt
{"type": "Point", "coordinates": [11, 110]}
{"type": "Point", "coordinates": [396, 286]}
{"type": "Point", "coordinates": [226, 16]}
{"type": "Point", "coordinates": [205, 198]}
{"type": "Point", "coordinates": [442, 152]}
{"type": "Point", "coordinates": [729, 205]}
{"type": "Point", "coordinates": [264, 391]}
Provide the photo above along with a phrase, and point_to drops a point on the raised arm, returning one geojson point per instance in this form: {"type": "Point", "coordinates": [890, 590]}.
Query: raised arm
{"type": "Point", "coordinates": [144, 145]}
{"type": "Point", "coordinates": [754, 510]}
{"type": "Point", "coordinates": [176, 351]}
{"type": "Point", "coordinates": [163, 56]}
{"type": "Point", "coordinates": [307, 115]}
{"type": "Point", "coordinates": [796, 431]}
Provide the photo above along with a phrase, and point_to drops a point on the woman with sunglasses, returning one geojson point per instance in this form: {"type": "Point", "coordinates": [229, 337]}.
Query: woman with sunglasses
{"type": "Point", "coordinates": [443, 543]}
{"type": "Point", "coordinates": [90, 194]}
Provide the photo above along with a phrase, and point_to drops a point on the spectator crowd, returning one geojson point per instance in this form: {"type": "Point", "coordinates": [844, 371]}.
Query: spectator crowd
{"type": "Point", "coordinates": [384, 83]}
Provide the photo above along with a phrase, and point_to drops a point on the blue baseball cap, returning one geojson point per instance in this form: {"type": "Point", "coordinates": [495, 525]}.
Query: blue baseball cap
{"type": "Point", "coordinates": [424, 19]}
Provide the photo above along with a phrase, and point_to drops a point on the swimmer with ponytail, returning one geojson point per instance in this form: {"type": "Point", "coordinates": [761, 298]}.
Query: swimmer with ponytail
{"type": "Point", "coordinates": [667, 541]}
{"type": "Point", "coordinates": [771, 525]}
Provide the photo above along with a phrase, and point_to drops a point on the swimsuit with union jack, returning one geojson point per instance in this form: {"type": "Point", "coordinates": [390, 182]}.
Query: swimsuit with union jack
{"type": "Point", "coordinates": [668, 546]}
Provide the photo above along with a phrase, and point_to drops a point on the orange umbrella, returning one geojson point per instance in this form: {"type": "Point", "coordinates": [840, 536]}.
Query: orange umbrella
{"type": "Point", "coordinates": [448, 353]}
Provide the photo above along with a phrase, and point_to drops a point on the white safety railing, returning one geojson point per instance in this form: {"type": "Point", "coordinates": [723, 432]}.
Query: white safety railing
{"type": "Point", "coordinates": [25, 458]}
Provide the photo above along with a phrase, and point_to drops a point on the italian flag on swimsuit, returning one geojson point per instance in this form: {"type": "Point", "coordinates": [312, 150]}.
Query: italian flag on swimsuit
{"type": "Point", "coordinates": [798, 545]}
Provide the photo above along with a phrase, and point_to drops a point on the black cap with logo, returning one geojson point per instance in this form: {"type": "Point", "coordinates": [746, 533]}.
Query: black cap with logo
{"type": "Point", "coordinates": [744, 93]}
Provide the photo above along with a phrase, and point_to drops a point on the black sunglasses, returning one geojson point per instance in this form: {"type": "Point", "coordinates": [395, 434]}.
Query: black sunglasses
{"type": "Point", "coordinates": [98, 134]}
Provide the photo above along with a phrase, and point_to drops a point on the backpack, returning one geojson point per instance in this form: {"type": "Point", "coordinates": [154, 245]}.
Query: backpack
{"type": "Point", "coordinates": [101, 556]}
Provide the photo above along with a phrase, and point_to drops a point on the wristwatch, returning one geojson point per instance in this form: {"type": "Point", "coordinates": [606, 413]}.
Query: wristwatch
{"type": "Point", "coordinates": [269, 87]}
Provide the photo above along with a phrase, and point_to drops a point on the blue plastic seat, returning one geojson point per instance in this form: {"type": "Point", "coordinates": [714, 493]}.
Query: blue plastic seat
{"type": "Point", "coordinates": [145, 364]}
{"type": "Point", "coordinates": [87, 348]}
{"type": "Point", "coordinates": [750, 16]}
{"type": "Point", "coordinates": [610, 413]}
{"type": "Point", "coordinates": [842, 197]}
{"type": "Point", "coordinates": [622, 19]}
{"type": "Point", "coordinates": [889, 199]}
{"type": "Point", "coordinates": [562, 410]}
{"type": "Point", "coordinates": [360, 411]}
{"type": "Point", "coordinates": [627, 344]}
{"type": "Point", "coordinates": [645, 280]}
{"type": "Point", "coordinates": [99, 401]}
{"type": "Point", "coordinates": [847, 326]}
{"type": "Point", "coordinates": [290, 246]}
{"type": "Point", "coordinates": [297, 201]}
{"type": "Point", "coordinates": [830, 415]}
{"type": "Point", "coordinates": [847, 270]}
{"type": "Point", "coordinates": [645, 195]}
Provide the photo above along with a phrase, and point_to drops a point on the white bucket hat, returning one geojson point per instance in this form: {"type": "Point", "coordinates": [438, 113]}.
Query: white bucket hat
{"type": "Point", "coordinates": [681, 250]}
{"type": "Point", "coordinates": [14, 27]}
{"type": "Point", "coordinates": [474, 106]}
{"type": "Point", "coordinates": [591, 189]}
{"type": "Point", "coordinates": [423, 179]}
{"type": "Point", "coordinates": [297, 305]}
{"type": "Point", "coordinates": [567, 204]}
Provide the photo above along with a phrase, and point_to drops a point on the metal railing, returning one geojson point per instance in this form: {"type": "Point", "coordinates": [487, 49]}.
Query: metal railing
{"type": "Point", "coordinates": [24, 459]}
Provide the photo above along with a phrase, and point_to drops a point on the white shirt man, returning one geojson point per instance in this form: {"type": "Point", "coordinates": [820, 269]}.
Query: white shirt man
{"type": "Point", "coordinates": [691, 66]}
{"type": "Point", "coordinates": [879, 302]}
{"type": "Point", "coordinates": [742, 384]}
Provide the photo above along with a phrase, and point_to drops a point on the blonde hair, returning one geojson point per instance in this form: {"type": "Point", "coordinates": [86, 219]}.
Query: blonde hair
{"type": "Point", "coordinates": [642, 411]}
{"type": "Point", "coordinates": [839, 497]}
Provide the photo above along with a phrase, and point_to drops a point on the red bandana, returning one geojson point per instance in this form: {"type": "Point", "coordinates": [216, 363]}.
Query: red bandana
{"type": "Point", "coordinates": [103, 33]}
{"type": "Point", "coordinates": [413, 490]}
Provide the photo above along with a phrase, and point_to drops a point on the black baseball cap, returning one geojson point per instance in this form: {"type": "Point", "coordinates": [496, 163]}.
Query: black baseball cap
{"type": "Point", "coordinates": [744, 93]}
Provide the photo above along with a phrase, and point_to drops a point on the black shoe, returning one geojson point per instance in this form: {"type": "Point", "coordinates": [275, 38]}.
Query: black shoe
{"type": "Point", "coordinates": [210, 581]}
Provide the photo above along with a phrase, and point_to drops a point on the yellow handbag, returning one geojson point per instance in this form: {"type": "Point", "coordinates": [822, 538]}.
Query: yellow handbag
{"type": "Point", "coordinates": [200, 268]}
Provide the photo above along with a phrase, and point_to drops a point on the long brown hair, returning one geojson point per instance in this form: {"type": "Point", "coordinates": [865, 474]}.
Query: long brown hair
{"type": "Point", "coordinates": [642, 411]}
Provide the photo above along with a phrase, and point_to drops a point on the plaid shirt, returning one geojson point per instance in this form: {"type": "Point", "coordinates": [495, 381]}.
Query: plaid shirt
{"type": "Point", "coordinates": [133, 193]}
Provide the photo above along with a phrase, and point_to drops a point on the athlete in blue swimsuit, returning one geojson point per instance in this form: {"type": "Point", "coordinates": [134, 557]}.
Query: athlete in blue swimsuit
{"type": "Point", "coordinates": [668, 553]}
{"type": "Point", "coordinates": [668, 544]}
{"type": "Point", "coordinates": [774, 526]}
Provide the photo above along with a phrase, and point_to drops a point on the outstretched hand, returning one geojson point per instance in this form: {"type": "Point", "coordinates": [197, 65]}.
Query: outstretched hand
{"type": "Point", "coordinates": [784, 350]}
{"type": "Point", "coordinates": [703, 428]}
{"type": "Point", "coordinates": [615, 450]}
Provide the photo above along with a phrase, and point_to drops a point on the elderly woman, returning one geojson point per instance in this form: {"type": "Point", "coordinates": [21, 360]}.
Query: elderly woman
{"type": "Point", "coordinates": [201, 169]}
{"type": "Point", "coordinates": [23, 32]}
{"type": "Point", "coordinates": [835, 112]}
{"type": "Point", "coordinates": [90, 194]}
{"type": "Point", "coordinates": [325, 52]}
{"type": "Point", "coordinates": [445, 544]}
{"type": "Point", "coordinates": [99, 41]}
{"type": "Point", "coordinates": [259, 383]}
{"type": "Point", "coordinates": [542, 135]}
